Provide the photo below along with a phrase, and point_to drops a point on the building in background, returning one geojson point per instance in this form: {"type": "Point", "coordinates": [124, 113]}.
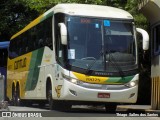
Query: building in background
{"type": "Point", "coordinates": [151, 9]}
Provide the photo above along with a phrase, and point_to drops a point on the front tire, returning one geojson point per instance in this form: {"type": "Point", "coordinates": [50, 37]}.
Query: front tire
{"type": "Point", "coordinates": [56, 104]}
{"type": "Point", "coordinates": [49, 97]}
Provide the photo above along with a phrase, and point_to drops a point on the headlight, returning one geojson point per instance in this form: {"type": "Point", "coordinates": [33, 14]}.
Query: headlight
{"type": "Point", "coordinates": [70, 79]}
{"type": "Point", "coordinates": [74, 81]}
{"type": "Point", "coordinates": [132, 83]}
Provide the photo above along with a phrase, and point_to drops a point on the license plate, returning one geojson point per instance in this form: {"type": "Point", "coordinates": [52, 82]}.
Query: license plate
{"type": "Point", "coordinates": [103, 95]}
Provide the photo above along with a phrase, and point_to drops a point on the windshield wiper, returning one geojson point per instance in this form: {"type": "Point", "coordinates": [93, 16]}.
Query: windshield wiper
{"type": "Point", "coordinates": [113, 61]}
{"type": "Point", "coordinates": [91, 64]}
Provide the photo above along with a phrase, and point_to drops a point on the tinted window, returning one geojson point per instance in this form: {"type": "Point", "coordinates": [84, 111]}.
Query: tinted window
{"type": "Point", "coordinates": [33, 39]}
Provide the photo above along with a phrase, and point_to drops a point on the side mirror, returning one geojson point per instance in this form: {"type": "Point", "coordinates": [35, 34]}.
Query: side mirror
{"type": "Point", "coordinates": [63, 33]}
{"type": "Point", "coordinates": [145, 37]}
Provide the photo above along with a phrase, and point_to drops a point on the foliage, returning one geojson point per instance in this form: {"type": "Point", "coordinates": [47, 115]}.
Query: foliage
{"type": "Point", "coordinates": [129, 5]}
{"type": "Point", "coordinates": [17, 13]}
{"type": "Point", "coordinates": [15, 16]}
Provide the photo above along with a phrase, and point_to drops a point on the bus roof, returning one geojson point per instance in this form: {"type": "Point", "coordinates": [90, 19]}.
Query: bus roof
{"type": "Point", "coordinates": [79, 10]}
{"type": "Point", "coordinates": [92, 10]}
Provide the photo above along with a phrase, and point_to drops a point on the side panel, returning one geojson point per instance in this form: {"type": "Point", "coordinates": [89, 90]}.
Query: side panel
{"type": "Point", "coordinates": [29, 70]}
{"type": "Point", "coordinates": [17, 71]}
{"type": "Point", "coordinates": [34, 70]}
{"type": "Point", "coordinates": [33, 75]}
{"type": "Point", "coordinates": [26, 71]}
{"type": "Point", "coordinates": [45, 70]}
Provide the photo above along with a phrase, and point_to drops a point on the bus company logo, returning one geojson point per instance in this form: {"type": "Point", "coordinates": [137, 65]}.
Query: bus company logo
{"type": "Point", "coordinates": [48, 58]}
{"type": "Point", "coordinates": [58, 90]}
{"type": "Point", "coordinates": [21, 114]}
{"type": "Point", "coordinates": [6, 114]}
{"type": "Point", "coordinates": [102, 73]}
{"type": "Point", "coordinates": [20, 63]}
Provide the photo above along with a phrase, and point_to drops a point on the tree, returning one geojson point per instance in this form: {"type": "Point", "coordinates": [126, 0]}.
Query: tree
{"type": "Point", "coordinates": [14, 17]}
{"type": "Point", "coordinates": [42, 6]}
{"type": "Point", "coordinates": [17, 13]}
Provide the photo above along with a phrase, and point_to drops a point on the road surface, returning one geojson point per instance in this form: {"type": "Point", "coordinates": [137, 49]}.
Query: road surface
{"type": "Point", "coordinates": [77, 113]}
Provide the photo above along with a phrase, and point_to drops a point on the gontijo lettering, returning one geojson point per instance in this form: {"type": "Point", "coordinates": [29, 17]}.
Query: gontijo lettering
{"type": "Point", "coordinates": [21, 63]}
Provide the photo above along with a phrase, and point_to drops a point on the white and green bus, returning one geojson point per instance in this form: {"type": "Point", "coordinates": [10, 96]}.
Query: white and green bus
{"type": "Point", "coordinates": [76, 54]}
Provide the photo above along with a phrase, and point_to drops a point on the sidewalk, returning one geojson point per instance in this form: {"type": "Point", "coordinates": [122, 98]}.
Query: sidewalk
{"type": "Point", "coordinates": [143, 108]}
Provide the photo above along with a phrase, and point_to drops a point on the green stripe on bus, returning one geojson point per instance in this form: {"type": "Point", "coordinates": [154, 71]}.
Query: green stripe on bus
{"type": "Point", "coordinates": [119, 80]}
{"type": "Point", "coordinates": [47, 16]}
{"type": "Point", "coordinates": [32, 78]}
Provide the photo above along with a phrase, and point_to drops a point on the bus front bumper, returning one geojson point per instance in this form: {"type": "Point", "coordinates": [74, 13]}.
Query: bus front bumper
{"type": "Point", "coordinates": [120, 94]}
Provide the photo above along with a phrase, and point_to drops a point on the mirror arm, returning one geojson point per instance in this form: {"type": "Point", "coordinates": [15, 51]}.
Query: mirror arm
{"type": "Point", "coordinates": [63, 33]}
{"type": "Point", "coordinates": [145, 38]}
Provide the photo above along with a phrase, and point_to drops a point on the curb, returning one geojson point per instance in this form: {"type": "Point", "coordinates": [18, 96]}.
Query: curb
{"type": "Point", "coordinates": [137, 108]}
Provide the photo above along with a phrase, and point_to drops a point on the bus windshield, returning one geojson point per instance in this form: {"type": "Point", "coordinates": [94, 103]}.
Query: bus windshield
{"type": "Point", "coordinates": [101, 42]}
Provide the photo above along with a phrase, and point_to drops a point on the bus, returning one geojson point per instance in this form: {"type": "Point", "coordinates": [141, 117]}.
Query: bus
{"type": "Point", "coordinates": [150, 9]}
{"type": "Point", "coordinates": [75, 54]}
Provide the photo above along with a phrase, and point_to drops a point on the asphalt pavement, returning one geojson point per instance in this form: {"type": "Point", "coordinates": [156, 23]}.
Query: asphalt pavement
{"type": "Point", "coordinates": [79, 113]}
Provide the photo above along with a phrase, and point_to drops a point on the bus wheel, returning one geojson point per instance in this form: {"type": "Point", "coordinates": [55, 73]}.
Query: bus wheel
{"type": "Point", "coordinates": [55, 104]}
{"type": "Point", "coordinates": [13, 96]}
{"type": "Point", "coordinates": [18, 100]}
{"type": "Point", "coordinates": [110, 107]}
{"type": "Point", "coordinates": [16, 97]}
{"type": "Point", "coordinates": [49, 97]}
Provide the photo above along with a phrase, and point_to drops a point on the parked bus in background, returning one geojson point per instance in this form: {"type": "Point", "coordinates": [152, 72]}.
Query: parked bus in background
{"type": "Point", "coordinates": [76, 54]}
{"type": "Point", "coordinates": [3, 61]}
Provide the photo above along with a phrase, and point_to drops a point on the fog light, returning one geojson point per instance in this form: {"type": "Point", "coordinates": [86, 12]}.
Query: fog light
{"type": "Point", "coordinates": [73, 92]}
{"type": "Point", "coordinates": [131, 95]}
